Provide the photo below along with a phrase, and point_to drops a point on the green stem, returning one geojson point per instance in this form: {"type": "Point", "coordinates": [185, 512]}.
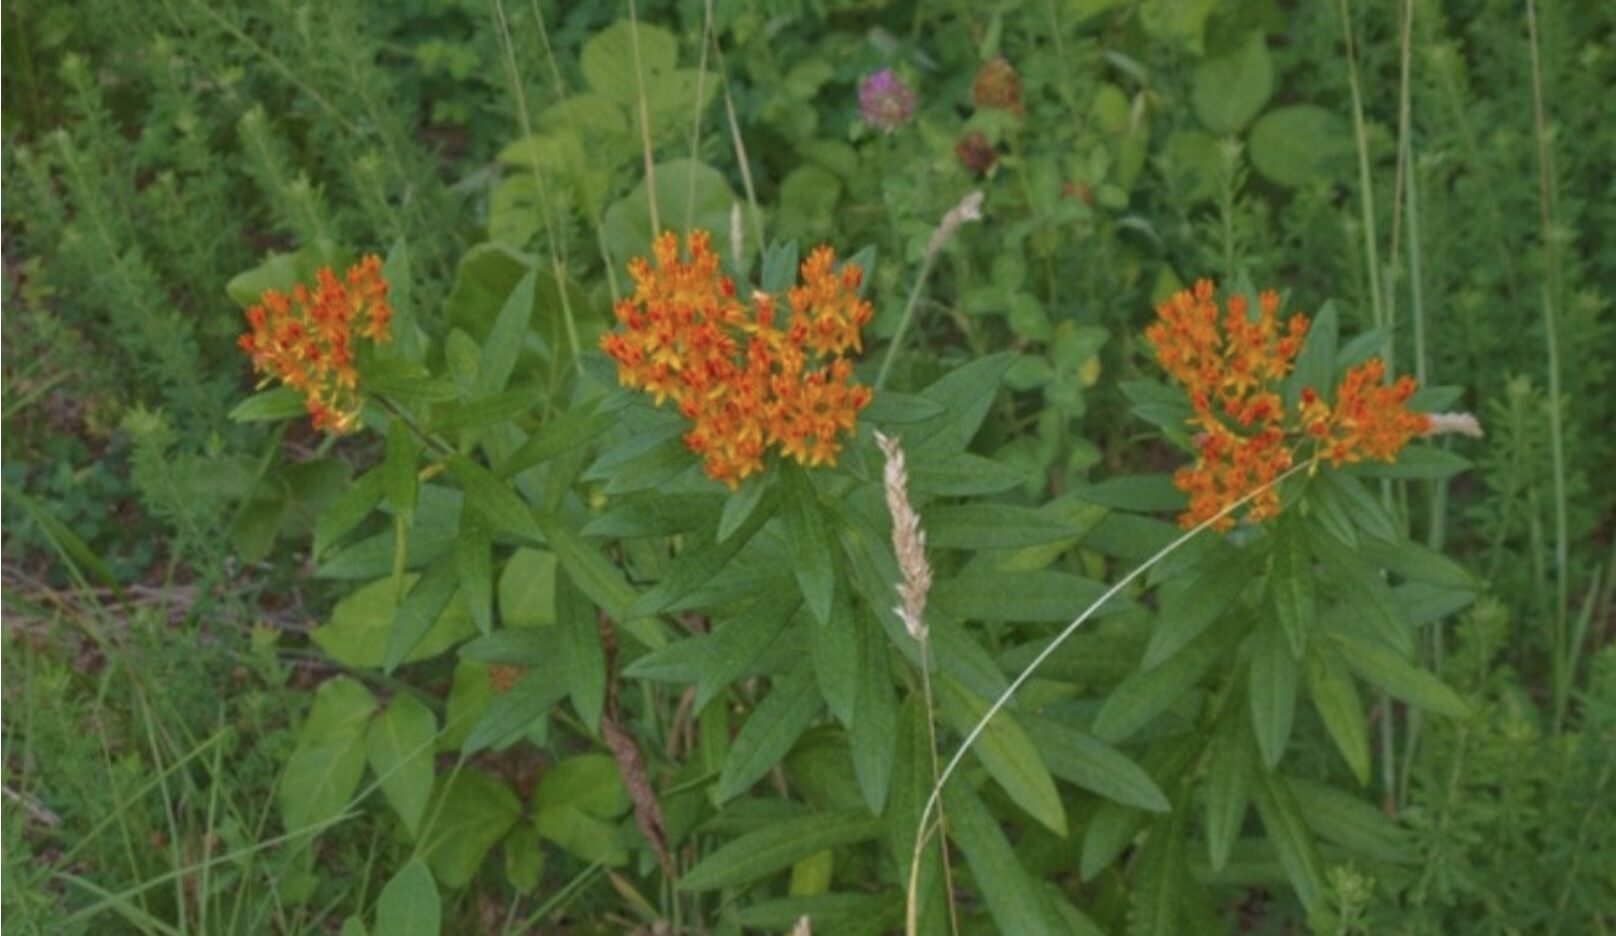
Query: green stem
{"type": "Point", "coordinates": [1551, 291]}
{"type": "Point", "coordinates": [903, 323]}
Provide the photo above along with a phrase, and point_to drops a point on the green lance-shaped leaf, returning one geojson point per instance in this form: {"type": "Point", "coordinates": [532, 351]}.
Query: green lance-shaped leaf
{"type": "Point", "coordinates": [778, 846]}
{"type": "Point", "coordinates": [1272, 681]}
{"type": "Point", "coordinates": [1010, 757]}
{"type": "Point", "coordinates": [812, 556]}
{"type": "Point", "coordinates": [770, 732]}
{"type": "Point", "coordinates": [1336, 700]}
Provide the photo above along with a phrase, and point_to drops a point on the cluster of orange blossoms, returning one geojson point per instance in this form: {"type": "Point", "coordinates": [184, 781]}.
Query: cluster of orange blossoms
{"type": "Point", "coordinates": [744, 382]}
{"type": "Point", "coordinates": [307, 339]}
{"type": "Point", "coordinates": [1231, 368]}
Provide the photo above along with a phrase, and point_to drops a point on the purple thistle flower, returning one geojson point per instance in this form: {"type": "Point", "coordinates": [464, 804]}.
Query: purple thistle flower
{"type": "Point", "coordinates": [885, 102]}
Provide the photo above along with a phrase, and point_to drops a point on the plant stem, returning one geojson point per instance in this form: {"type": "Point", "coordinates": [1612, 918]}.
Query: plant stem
{"type": "Point", "coordinates": [1551, 292]}
{"type": "Point", "coordinates": [903, 323]}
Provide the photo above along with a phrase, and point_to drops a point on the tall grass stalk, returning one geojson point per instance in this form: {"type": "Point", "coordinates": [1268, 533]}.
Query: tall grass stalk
{"type": "Point", "coordinates": [1551, 292]}
{"type": "Point", "coordinates": [909, 546]}
{"type": "Point", "coordinates": [558, 266]}
{"type": "Point", "coordinates": [922, 830]}
{"type": "Point", "coordinates": [968, 209]}
{"type": "Point", "coordinates": [643, 112]}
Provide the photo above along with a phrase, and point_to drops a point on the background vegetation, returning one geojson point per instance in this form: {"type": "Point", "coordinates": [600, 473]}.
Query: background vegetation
{"type": "Point", "coordinates": [1437, 172]}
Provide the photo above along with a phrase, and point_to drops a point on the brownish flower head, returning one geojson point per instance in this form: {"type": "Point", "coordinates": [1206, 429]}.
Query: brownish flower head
{"type": "Point", "coordinates": [744, 382]}
{"type": "Point", "coordinates": [1231, 367]}
{"type": "Point", "coordinates": [998, 86]}
{"type": "Point", "coordinates": [307, 340]}
{"type": "Point", "coordinates": [975, 152]}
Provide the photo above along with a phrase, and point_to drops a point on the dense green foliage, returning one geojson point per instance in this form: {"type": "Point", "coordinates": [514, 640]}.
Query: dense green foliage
{"type": "Point", "coordinates": [506, 661]}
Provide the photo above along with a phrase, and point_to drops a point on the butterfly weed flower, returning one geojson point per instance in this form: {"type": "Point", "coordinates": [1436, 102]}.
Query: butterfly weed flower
{"type": "Point", "coordinates": [748, 375]}
{"type": "Point", "coordinates": [308, 339]}
{"type": "Point", "coordinates": [1231, 366]}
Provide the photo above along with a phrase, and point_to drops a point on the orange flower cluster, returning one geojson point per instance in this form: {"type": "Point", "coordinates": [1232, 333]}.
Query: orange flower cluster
{"type": "Point", "coordinates": [744, 382]}
{"type": "Point", "coordinates": [1231, 367]}
{"type": "Point", "coordinates": [307, 339]}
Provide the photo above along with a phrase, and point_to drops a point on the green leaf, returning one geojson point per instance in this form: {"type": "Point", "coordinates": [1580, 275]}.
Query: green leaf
{"type": "Point", "coordinates": [965, 394]}
{"type": "Point", "coordinates": [591, 571]}
{"type": "Point", "coordinates": [400, 747]}
{"type": "Point", "coordinates": [1336, 700]}
{"type": "Point", "coordinates": [422, 607]}
{"type": "Point", "coordinates": [1418, 563]}
{"type": "Point", "coordinates": [1014, 898]}
{"type": "Point", "coordinates": [1273, 692]}
{"type": "Point", "coordinates": [734, 644]}
{"type": "Point", "coordinates": [1300, 145]}
{"type": "Point", "coordinates": [400, 295]}
{"type": "Point", "coordinates": [809, 541]}
{"type": "Point", "coordinates": [408, 905]}
{"type": "Point", "coordinates": [568, 431]}
{"type": "Point", "coordinates": [589, 783]}
{"type": "Point", "coordinates": [628, 221]}
{"type": "Point", "coordinates": [1114, 826]}
{"type": "Point", "coordinates": [474, 811]}
{"type": "Point", "coordinates": [1353, 824]}
{"type": "Point", "coordinates": [583, 835]}
{"type": "Point", "coordinates": [527, 587]}
{"type": "Point", "coordinates": [873, 730]}
{"type": "Point", "coordinates": [360, 630]}
{"type": "Point", "coordinates": [739, 507]}
{"type": "Point", "coordinates": [511, 646]}
{"type": "Point", "coordinates": [1146, 694]}
{"type": "Point", "coordinates": [496, 501]}
{"type": "Point", "coordinates": [398, 468]}
{"type": "Point", "coordinates": [325, 767]}
{"type": "Point", "coordinates": [1391, 672]}
{"type": "Point", "coordinates": [575, 803]}
{"type": "Point", "coordinates": [1139, 493]}
{"type": "Point", "coordinates": [1160, 881]}
{"type": "Point", "coordinates": [833, 649]}
{"type": "Point", "coordinates": [1231, 88]}
{"type": "Point", "coordinates": [487, 411]}
{"type": "Point", "coordinates": [470, 694]}
{"type": "Point", "coordinates": [1291, 584]}
{"type": "Point", "coordinates": [347, 510]}
{"type": "Point", "coordinates": [778, 846]}
{"type": "Point", "coordinates": [515, 711]}
{"type": "Point", "coordinates": [1356, 502]}
{"type": "Point", "coordinates": [586, 658]}
{"type": "Point", "coordinates": [697, 566]}
{"type": "Point", "coordinates": [653, 513]}
{"type": "Point", "coordinates": [1287, 830]}
{"type": "Point", "coordinates": [1011, 759]}
{"type": "Point", "coordinates": [1188, 609]}
{"type": "Point", "coordinates": [524, 859]}
{"type": "Point", "coordinates": [1081, 758]}
{"type": "Point", "coordinates": [1315, 363]}
{"type": "Point", "coordinates": [989, 595]}
{"type": "Point", "coordinates": [890, 408]}
{"type": "Point", "coordinates": [993, 526]}
{"type": "Point", "coordinates": [269, 406]}
{"type": "Point", "coordinates": [1228, 775]}
{"type": "Point", "coordinates": [474, 570]}
{"type": "Point", "coordinates": [770, 732]}
{"type": "Point", "coordinates": [608, 59]}
{"type": "Point", "coordinates": [504, 341]}
{"type": "Point", "coordinates": [1417, 462]}
{"type": "Point", "coordinates": [961, 474]}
